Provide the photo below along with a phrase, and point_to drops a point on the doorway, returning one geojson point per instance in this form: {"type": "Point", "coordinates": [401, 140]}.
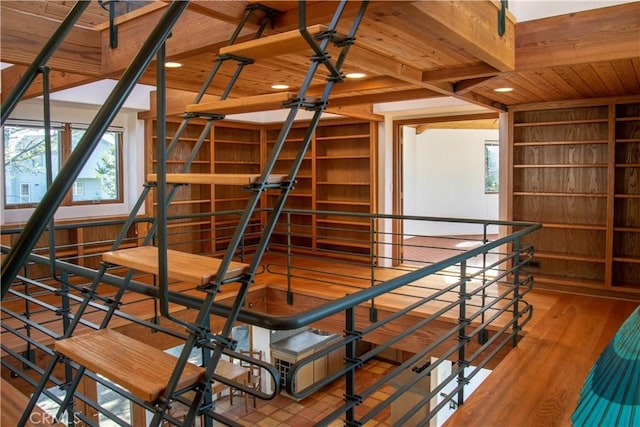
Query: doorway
{"type": "Point", "coordinates": [443, 167]}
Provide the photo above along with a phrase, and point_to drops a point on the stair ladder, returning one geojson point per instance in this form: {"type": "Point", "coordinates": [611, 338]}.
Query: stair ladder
{"type": "Point", "coordinates": [148, 373]}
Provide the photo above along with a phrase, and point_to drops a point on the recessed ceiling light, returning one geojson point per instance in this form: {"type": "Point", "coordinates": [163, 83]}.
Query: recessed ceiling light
{"type": "Point", "coordinates": [172, 65]}
{"type": "Point", "coordinates": [355, 75]}
{"type": "Point", "coordinates": [279, 86]}
{"type": "Point", "coordinates": [503, 89]}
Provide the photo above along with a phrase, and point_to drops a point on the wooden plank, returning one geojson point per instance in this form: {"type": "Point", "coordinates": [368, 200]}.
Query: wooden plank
{"type": "Point", "coordinates": [24, 35]}
{"type": "Point", "coordinates": [275, 45]}
{"type": "Point", "coordinates": [140, 368]}
{"type": "Point", "coordinates": [604, 34]}
{"type": "Point", "coordinates": [271, 101]}
{"type": "Point", "coordinates": [473, 27]}
{"type": "Point", "coordinates": [13, 404]}
{"type": "Point", "coordinates": [58, 80]}
{"type": "Point", "coordinates": [539, 382]}
{"type": "Point", "coordinates": [183, 266]}
{"type": "Point", "coordinates": [215, 178]}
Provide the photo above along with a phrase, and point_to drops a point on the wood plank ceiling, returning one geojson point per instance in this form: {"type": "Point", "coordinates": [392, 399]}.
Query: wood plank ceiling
{"type": "Point", "coordinates": [408, 50]}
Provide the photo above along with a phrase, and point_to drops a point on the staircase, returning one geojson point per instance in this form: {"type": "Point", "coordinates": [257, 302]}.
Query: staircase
{"type": "Point", "coordinates": [148, 373]}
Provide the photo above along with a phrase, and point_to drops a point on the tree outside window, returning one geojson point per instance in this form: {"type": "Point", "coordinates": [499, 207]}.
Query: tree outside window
{"type": "Point", "coordinates": [25, 163]}
{"type": "Point", "coordinates": [99, 181]}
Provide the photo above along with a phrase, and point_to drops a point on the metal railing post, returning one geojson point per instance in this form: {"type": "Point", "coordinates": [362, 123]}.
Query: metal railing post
{"type": "Point", "coordinates": [516, 290]}
{"type": "Point", "coordinates": [353, 363]}
{"type": "Point", "coordinates": [462, 336]}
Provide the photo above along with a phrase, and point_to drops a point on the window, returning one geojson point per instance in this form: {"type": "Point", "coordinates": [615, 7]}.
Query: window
{"type": "Point", "coordinates": [25, 192]}
{"type": "Point", "coordinates": [25, 174]}
{"type": "Point", "coordinates": [99, 177]}
{"type": "Point", "coordinates": [491, 178]}
{"type": "Point", "coordinates": [78, 189]}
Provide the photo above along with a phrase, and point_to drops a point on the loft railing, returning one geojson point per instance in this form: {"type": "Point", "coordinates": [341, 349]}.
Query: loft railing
{"type": "Point", "coordinates": [398, 289]}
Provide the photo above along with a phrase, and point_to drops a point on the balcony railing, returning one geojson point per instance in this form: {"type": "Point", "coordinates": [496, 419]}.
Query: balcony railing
{"type": "Point", "coordinates": [399, 278]}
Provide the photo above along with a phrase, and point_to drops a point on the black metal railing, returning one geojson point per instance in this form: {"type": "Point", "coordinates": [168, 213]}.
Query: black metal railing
{"type": "Point", "coordinates": [468, 287]}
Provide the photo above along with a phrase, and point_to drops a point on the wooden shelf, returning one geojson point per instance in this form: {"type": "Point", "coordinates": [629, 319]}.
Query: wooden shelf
{"type": "Point", "coordinates": [545, 143]}
{"type": "Point", "coordinates": [340, 242]}
{"type": "Point", "coordinates": [561, 122]}
{"type": "Point", "coordinates": [626, 259]}
{"type": "Point", "coordinates": [214, 178]}
{"type": "Point", "coordinates": [349, 223]}
{"type": "Point", "coordinates": [187, 224]}
{"type": "Point", "coordinates": [594, 227]}
{"type": "Point", "coordinates": [584, 165]}
{"type": "Point", "coordinates": [138, 367]}
{"type": "Point", "coordinates": [181, 265]}
{"type": "Point", "coordinates": [342, 202]}
{"type": "Point", "coordinates": [274, 45]}
{"type": "Point", "coordinates": [271, 101]}
{"type": "Point", "coordinates": [568, 257]}
{"type": "Point", "coordinates": [341, 137]}
{"type": "Point", "coordinates": [539, 194]}
{"type": "Point", "coordinates": [627, 196]}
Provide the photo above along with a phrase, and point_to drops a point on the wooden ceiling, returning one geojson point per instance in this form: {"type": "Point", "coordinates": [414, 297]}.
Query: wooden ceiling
{"type": "Point", "coordinates": [408, 49]}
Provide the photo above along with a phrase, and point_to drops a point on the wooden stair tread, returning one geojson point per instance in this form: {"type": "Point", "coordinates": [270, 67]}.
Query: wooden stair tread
{"type": "Point", "coordinates": [249, 104]}
{"type": "Point", "coordinates": [13, 404]}
{"type": "Point", "coordinates": [183, 266]}
{"type": "Point", "coordinates": [140, 368]}
{"type": "Point", "coordinates": [273, 45]}
{"type": "Point", "coordinates": [215, 178]}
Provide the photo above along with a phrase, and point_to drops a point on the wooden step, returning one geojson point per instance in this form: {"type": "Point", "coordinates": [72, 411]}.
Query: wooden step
{"type": "Point", "coordinates": [273, 45]}
{"type": "Point", "coordinates": [140, 368]}
{"type": "Point", "coordinates": [13, 404]}
{"type": "Point", "coordinates": [215, 178]}
{"type": "Point", "coordinates": [183, 266]}
{"type": "Point", "coordinates": [250, 104]}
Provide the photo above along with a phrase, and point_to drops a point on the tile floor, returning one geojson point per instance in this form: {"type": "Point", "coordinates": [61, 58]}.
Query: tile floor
{"type": "Point", "coordinates": [285, 412]}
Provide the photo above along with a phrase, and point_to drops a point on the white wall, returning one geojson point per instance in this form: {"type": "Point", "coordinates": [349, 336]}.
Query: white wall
{"type": "Point", "coordinates": [444, 177]}
{"type": "Point", "coordinates": [133, 158]}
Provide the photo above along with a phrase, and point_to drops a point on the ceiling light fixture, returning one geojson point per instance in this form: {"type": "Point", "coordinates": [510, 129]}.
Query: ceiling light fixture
{"type": "Point", "coordinates": [279, 86]}
{"type": "Point", "coordinates": [503, 89]}
{"type": "Point", "coordinates": [355, 75]}
{"type": "Point", "coordinates": [172, 65]}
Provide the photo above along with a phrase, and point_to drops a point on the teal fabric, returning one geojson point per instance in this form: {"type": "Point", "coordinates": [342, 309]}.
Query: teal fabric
{"type": "Point", "coordinates": [610, 396]}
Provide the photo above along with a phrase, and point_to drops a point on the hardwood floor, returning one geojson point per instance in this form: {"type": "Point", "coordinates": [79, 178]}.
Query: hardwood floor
{"type": "Point", "coordinates": [538, 383]}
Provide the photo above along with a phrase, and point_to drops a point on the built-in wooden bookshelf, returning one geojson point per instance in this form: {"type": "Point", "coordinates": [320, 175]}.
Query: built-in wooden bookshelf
{"type": "Point", "coordinates": [576, 170]}
{"type": "Point", "coordinates": [184, 234]}
{"type": "Point", "coordinates": [335, 175]}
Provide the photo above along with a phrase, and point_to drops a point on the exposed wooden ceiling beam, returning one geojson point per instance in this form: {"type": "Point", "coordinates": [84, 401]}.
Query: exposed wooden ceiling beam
{"type": "Point", "coordinates": [604, 34]}
{"type": "Point", "coordinates": [58, 80]}
{"type": "Point", "coordinates": [364, 112]}
{"type": "Point", "coordinates": [23, 36]}
{"type": "Point", "coordinates": [473, 27]}
{"type": "Point", "coordinates": [471, 124]}
{"type": "Point", "coordinates": [453, 74]}
{"type": "Point", "coordinates": [405, 95]}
